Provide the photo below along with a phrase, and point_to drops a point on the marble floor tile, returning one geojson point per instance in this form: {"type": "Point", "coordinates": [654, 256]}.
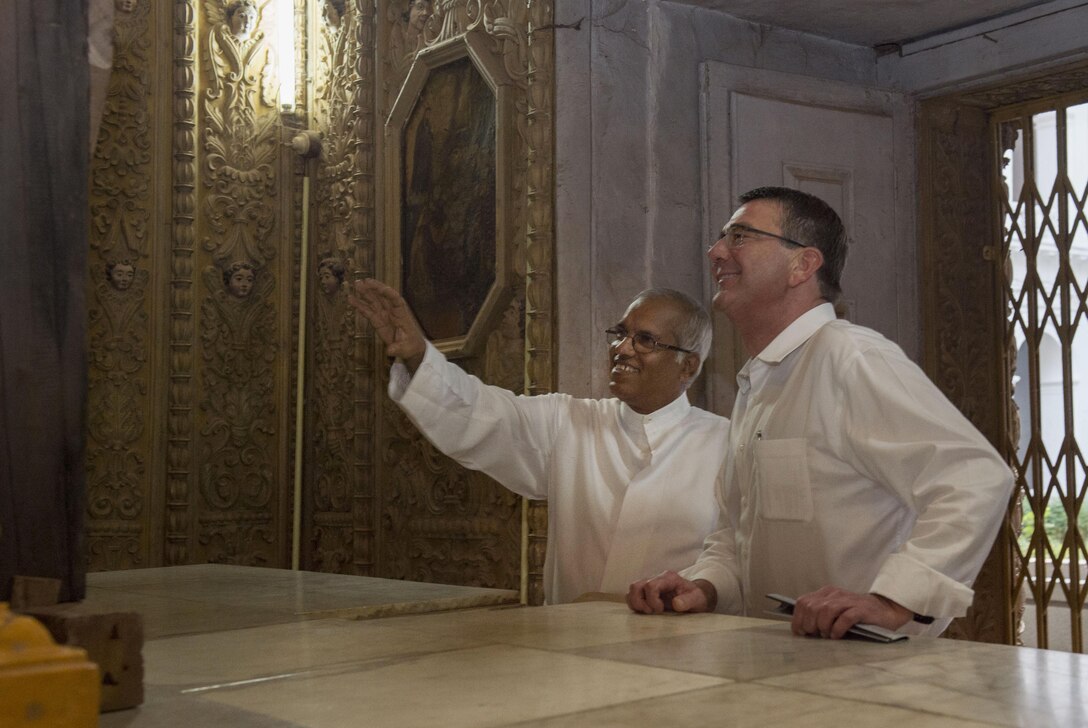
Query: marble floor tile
{"type": "Point", "coordinates": [196, 663]}
{"type": "Point", "coordinates": [572, 626]}
{"type": "Point", "coordinates": [753, 652]}
{"type": "Point", "coordinates": [206, 597]}
{"type": "Point", "coordinates": [487, 686]}
{"type": "Point", "coordinates": [1014, 686]}
{"type": "Point", "coordinates": [172, 615]}
{"type": "Point", "coordinates": [164, 708]}
{"type": "Point", "coordinates": [749, 706]}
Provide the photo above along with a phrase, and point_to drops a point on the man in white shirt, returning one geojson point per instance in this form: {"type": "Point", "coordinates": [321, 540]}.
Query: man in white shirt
{"type": "Point", "coordinates": [630, 481]}
{"type": "Point", "coordinates": [854, 485]}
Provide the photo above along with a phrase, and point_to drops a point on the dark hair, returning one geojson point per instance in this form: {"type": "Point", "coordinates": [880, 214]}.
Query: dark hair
{"type": "Point", "coordinates": [335, 267]}
{"type": "Point", "coordinates": [114, 263]}
{"type": "Point", "coordinates": [809, 220]}
{"type": "Point", "coordinates": [234, 267]}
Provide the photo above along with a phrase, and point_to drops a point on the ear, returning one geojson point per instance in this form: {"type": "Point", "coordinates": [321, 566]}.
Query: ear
{"type": "Point", "coordinates": [688, 367]}
{"type": "Point", "coordinates": [804, 267]}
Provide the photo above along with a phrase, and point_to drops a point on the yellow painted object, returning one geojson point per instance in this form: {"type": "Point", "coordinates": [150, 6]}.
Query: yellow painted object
{"type": "Point", "coordinates": [41, 683]}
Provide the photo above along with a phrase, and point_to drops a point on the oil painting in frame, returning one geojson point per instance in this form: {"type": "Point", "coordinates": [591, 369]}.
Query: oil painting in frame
{"type": "Point", "coordinates": [448, 242]}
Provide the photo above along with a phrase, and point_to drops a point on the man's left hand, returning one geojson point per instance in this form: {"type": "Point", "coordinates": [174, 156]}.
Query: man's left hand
{"type": "Point", "coordinates": [830, 612]}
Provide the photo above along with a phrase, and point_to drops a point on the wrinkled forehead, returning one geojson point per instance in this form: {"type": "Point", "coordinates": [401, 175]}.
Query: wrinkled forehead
{"type": "Point", "coordinates": [653, 315]}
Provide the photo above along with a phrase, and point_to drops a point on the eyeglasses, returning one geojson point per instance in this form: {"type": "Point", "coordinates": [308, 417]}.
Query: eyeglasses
{"type": "Point", "coordinates": [642, 342]}
{"type": "Point", "coordinates": [736, 236]}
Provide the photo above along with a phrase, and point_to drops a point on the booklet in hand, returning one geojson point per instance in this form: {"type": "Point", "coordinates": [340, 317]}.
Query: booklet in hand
{"type": "Point", "coordinates": [865, 631]}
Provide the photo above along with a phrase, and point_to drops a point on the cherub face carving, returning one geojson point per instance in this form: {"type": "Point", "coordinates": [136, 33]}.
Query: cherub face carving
{"type": "Point", "coordinates": [242, 20]}
{"type": "Point", "coordinates": [121, 275]}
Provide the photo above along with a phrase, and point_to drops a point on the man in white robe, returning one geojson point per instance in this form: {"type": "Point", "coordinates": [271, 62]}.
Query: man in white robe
{"type": "Point", "coordinates": [630, 481]}
{"type": "Point", "coordinates": [853, 484]}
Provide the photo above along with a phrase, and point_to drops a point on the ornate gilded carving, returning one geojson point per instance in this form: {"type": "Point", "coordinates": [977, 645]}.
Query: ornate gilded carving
{"type": "Point", "coordinates": [180, 394]}
{"type": "Point", "coordinates": [239, 452]}
{"type": "Point", "coordinates": [222, 286]}
{"type": "Point", "coordinates": [426, 499]}
{"type": "Point", "coordinates": [539, 248]}
{"type": "Point", "coordinates": [330, 426]}
{"type": "Point", "coordinates": [118, 325]}
{"type": "Point", "coordinates": [339, 471]}
{"type": "Point", "coordinates": [440, 522]}
{"type": "Point", "coordinates": [1029, 89]}
{"type": "Point", "coordinates": [240, 144]}
{"type": "Point", "coordinates": [964, 346]}
{"type": "Point", "coordinates": [407, 24]}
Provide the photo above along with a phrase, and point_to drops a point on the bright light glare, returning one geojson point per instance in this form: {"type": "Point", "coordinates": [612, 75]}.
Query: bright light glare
{"type": "Point", "coordinates": [284, 42]}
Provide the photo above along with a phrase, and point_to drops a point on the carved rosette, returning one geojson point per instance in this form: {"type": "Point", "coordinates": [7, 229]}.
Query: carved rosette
{"type": "Point", "coordinates": [118, 325]}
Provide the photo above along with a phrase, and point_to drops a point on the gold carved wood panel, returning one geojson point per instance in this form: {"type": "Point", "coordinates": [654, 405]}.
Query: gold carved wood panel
{"type": "Point", "coordinates": [122, 280]}
{"type": "Point", "coordinates": [436, 521]}
{"type": "Point", "coordinates": [190, 294]}
{"type": "Point", "coordinates": [243, 285]}
{"type": "Point", "coordinates": [338, 503]}
{"type": "Point", "coordinates": [194, 295]}
{"type": "Point", "coordinates": [964, 349]}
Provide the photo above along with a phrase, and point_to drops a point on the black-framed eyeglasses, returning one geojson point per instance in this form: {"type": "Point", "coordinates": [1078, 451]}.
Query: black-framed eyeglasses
{"type": "Point", "coordinates": [642, 342]}
{"type": "Point", "coordinates": [736, 236]}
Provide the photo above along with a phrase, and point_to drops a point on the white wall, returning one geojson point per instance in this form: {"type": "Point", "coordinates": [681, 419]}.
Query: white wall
{"type": "Point", "coordinates": [629, 201]}
{"type": "Point", "coordinates": [1052, 34]}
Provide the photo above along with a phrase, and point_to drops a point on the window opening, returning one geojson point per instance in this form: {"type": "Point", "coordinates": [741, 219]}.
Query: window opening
{"type": "Point", "coordinates": [1044, 173]}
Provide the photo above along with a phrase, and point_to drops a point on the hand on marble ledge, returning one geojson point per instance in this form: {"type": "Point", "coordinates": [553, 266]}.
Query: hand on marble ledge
{"type": "Point", "coordinates": [830, 612]}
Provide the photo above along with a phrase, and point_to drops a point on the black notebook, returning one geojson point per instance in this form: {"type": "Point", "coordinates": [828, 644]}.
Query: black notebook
{"type": "Point", "coordinates": [864, 631]}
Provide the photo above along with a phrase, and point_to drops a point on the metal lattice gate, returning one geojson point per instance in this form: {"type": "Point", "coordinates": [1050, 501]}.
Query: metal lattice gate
{"type": "Point", "coordinates": [1043, 150]}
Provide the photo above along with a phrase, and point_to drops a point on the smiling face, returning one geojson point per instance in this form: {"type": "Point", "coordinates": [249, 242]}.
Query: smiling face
{"type": "Point", "coordinates": [751, 279]}
{"type": "Point", "coordinates": [121, 276]}
{"type": "Point", "coordinates": [648, 382]}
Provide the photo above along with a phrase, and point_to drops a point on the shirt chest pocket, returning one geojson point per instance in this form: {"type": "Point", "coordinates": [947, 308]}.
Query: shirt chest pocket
{"type": "Point", "coordinates": [785, 493]}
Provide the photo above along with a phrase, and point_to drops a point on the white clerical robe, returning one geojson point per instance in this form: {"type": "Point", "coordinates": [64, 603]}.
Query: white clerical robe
{"type": "Point", "coordinates": [629, 495]}
{"type": "Point", "coordinates": [851, 469]}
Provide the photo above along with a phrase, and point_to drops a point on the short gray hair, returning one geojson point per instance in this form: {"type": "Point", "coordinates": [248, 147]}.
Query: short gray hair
{"type": "Point", "coordinates": [695, 332]}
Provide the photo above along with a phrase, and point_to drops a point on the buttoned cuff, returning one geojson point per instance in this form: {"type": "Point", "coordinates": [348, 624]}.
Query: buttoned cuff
{"type": "Point", "coordinates": [921, 589]}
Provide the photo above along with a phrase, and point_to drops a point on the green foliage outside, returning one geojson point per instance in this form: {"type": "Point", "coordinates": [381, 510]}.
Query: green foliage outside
{"type": "Point", "coordinates": [1055, 523]}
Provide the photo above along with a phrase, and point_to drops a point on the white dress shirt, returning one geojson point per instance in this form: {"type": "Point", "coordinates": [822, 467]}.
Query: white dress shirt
{"type": "Point", "coordinates": [851, 469]}
{"type": "Point", "coordinates": [629, 495]}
